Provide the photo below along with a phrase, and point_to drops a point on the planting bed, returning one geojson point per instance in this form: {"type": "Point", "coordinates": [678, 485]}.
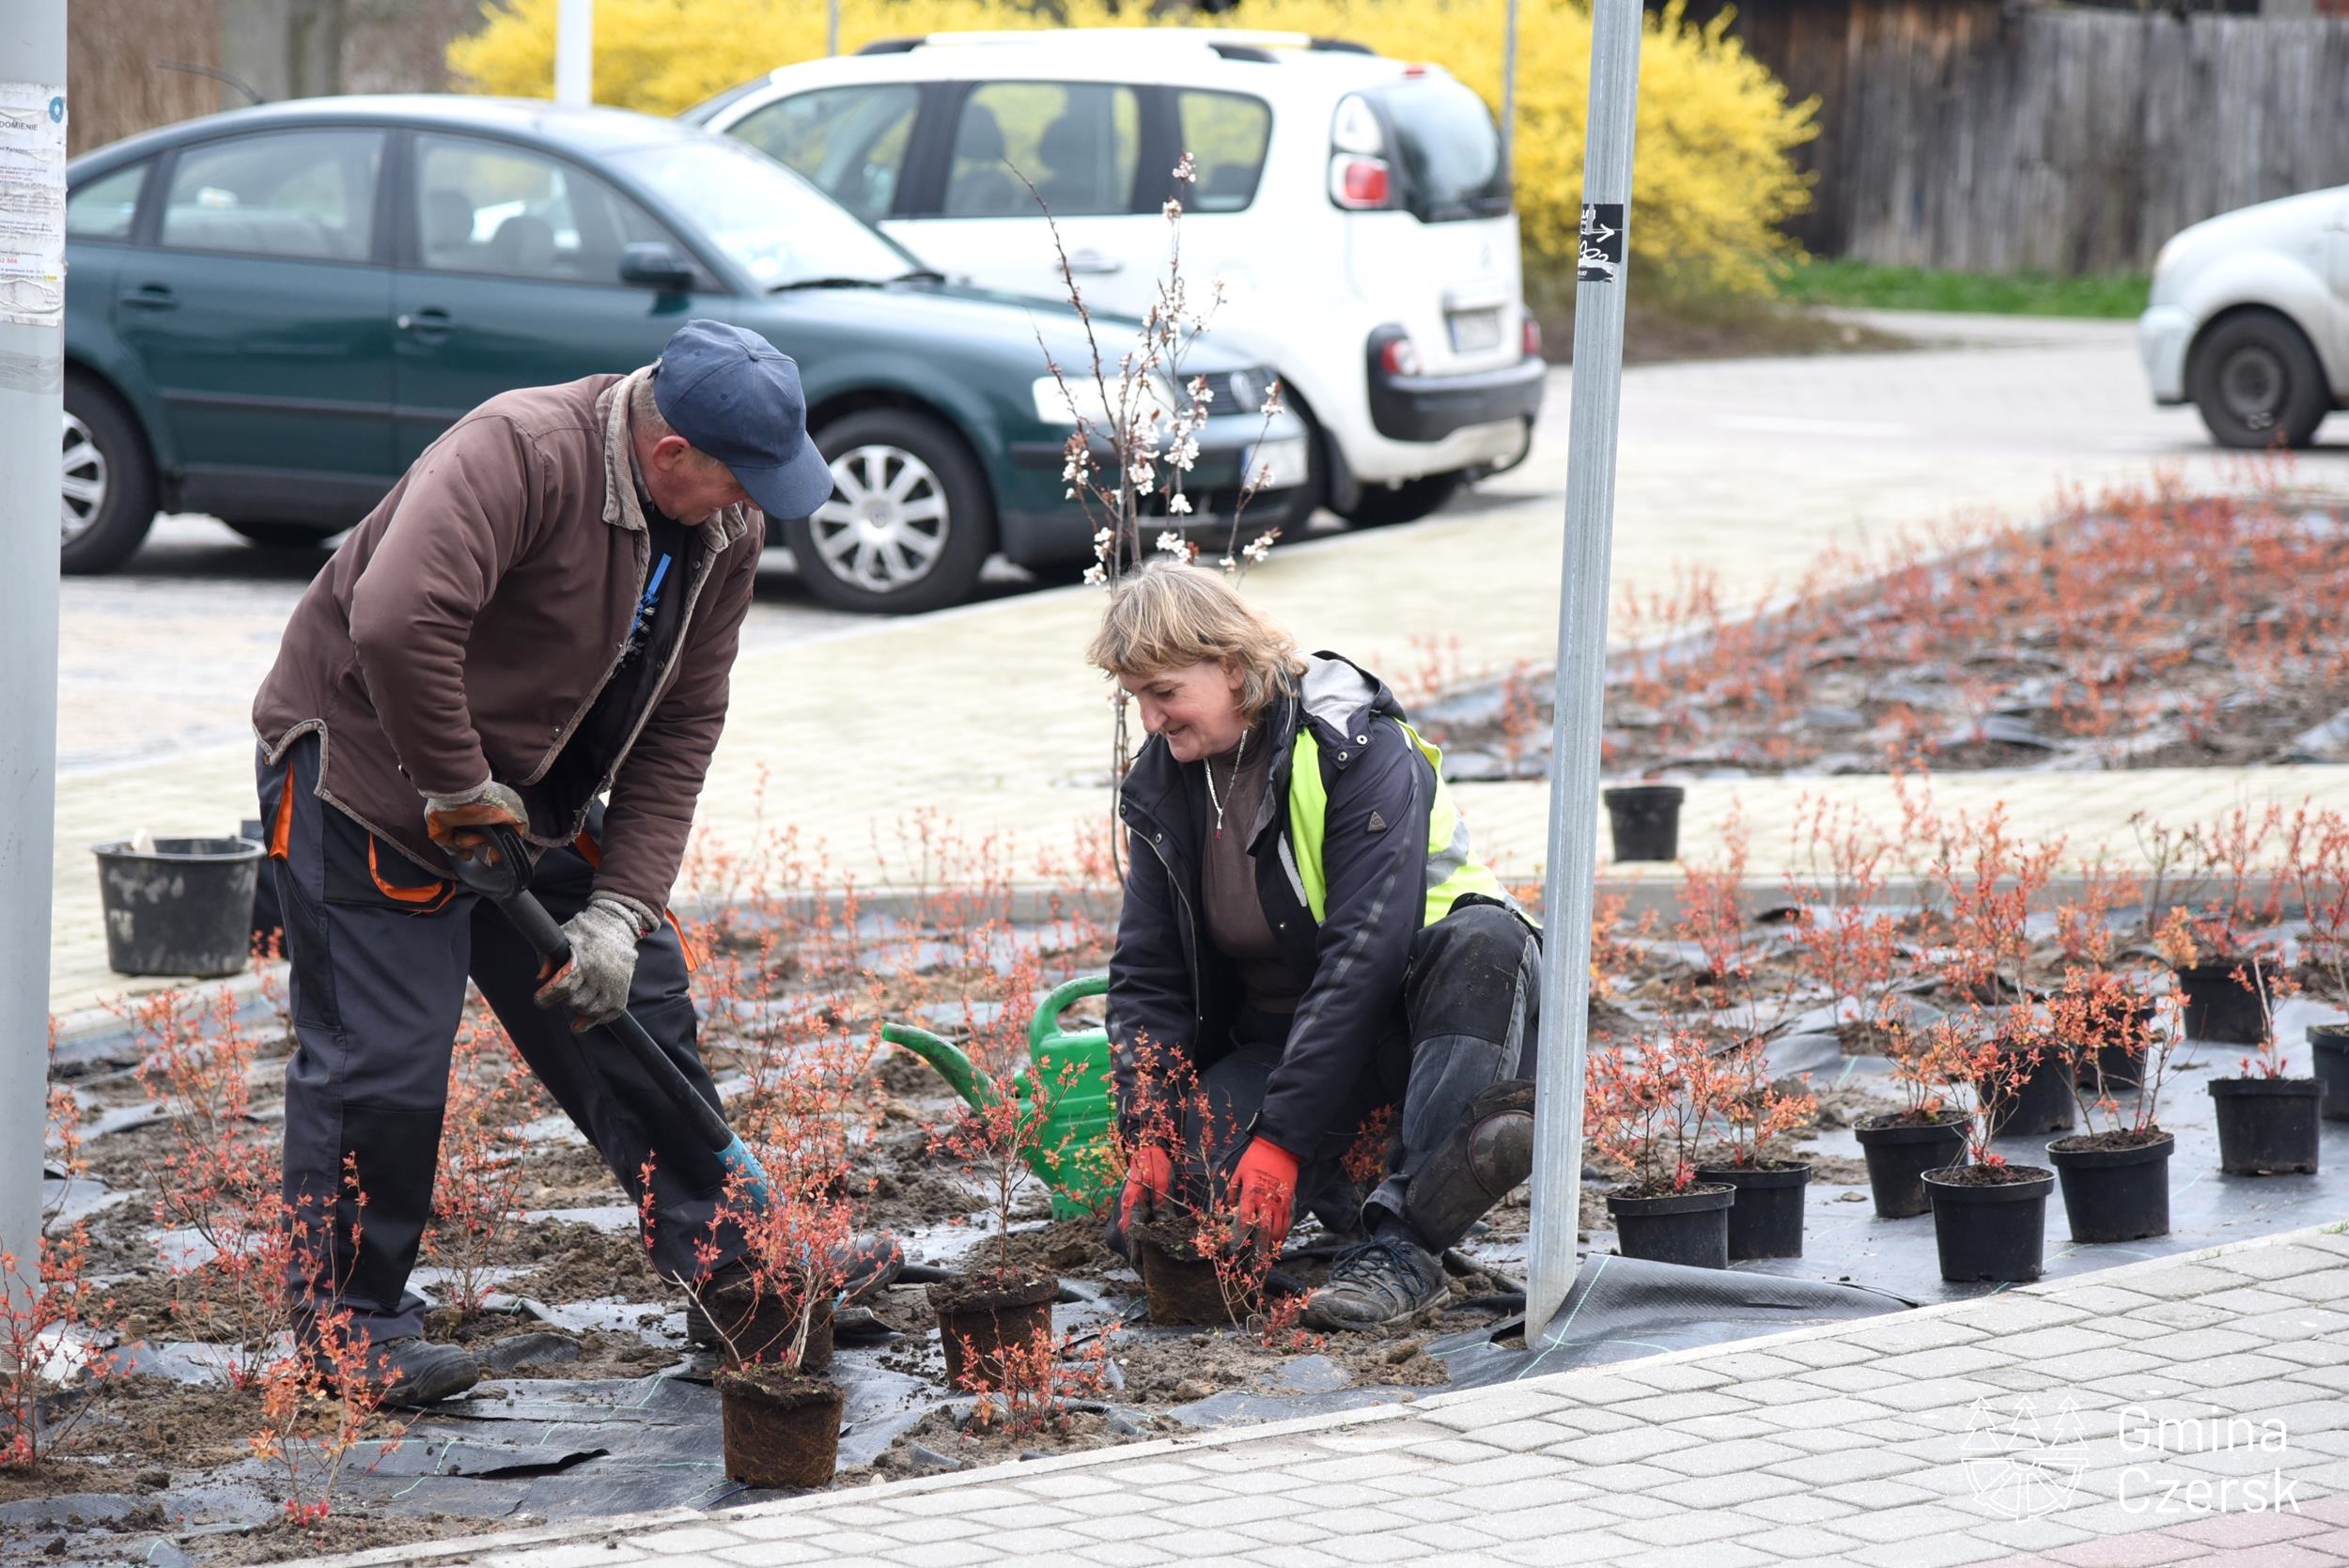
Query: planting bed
{"type": "Point", "coordinates": [593, 1405]}
{"type": "Point", "coordinates": [2141, 630]}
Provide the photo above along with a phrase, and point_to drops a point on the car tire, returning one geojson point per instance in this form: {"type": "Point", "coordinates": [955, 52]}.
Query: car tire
{"type": "Point", "coordinates": [1409, 502]}
{"type": "Point", "coordinates": [2258, 382]}
{"type": "Point", "coordinates": [909, 522]}
{"type": "Point", "coordinates": [108, 503]}
{"type": "Point", "coordinates": [279, 535]}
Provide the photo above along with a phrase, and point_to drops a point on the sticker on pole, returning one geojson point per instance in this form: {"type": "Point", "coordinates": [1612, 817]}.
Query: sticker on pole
{"type": "Point", "coordinates": [32, 203]}
{"type": "Point", "coordinates": [1602, 242]}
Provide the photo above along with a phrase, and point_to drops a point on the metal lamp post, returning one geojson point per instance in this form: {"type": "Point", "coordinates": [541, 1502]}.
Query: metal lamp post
{"type": "Point", "coordinates": [1598, 298]}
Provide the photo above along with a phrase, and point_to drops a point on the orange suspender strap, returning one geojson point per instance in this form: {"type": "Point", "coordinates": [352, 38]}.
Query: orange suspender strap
{"type": "Point", "coordinates": [592, 852]}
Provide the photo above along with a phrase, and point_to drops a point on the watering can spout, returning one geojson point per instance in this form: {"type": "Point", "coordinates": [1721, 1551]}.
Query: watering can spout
{"type": "Point", "coordinates": [962, 1075]}
{"type": "Point", "coordinates": [1073, 1150]}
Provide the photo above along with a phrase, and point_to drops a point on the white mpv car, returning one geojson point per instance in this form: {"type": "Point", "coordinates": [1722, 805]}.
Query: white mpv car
{"type": "Point", "coordinates": [1354, 207]}
{"type": "Point", "coordinates": [2248, 319]}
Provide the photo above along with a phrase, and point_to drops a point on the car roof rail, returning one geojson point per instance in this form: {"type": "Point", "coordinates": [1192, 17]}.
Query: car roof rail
{"type": "Point", "coordinates": [893, 46]}
{"type": "Point", "coordinates": [1244, 52]}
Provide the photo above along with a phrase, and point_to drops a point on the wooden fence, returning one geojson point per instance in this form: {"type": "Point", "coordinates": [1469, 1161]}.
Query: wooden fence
{"type": "Point", "coordinates": [1998, 137]}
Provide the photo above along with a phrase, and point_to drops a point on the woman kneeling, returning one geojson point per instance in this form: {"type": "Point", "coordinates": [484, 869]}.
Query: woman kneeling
{"type": "Point", "coordinates": [1307, 931]}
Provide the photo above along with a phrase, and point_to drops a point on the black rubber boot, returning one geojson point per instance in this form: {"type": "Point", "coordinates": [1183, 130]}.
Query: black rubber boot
{"type": "Point", "coordinates": [871, 1264]}
{"type": "Point", "coordinates": [416, 1372]}
{"type": "Point", "coordinates": [1387, 1280]}
{"type": "Point", "coordinates": [1487, 1157]}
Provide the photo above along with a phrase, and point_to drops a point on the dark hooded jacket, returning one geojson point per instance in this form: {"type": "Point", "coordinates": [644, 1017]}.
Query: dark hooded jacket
{"type": "Point", "coordinates": [1168, 987]}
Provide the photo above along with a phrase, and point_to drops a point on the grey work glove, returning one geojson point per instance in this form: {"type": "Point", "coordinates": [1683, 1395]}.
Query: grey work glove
{"type": "Point", "coordinates": [603, 938]}
{"type": "Point", "coordinates": [455, 821]}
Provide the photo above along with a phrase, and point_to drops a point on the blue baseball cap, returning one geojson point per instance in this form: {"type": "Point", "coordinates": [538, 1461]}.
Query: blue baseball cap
{"type": "Point", "coordinates": [736, 397]}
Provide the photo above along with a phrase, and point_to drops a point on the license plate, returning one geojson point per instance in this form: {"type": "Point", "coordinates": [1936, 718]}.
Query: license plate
{"type": "Point", "coordinates": [1475, 330]}
{"type": "Point", "coordinates": [1282, 462]}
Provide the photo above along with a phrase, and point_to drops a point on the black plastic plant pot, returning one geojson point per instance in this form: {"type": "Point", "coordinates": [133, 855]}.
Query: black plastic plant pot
{"type": "Point", "coordinates": [1990, 1230]}
{"type": "Point", "coordinates": [2122, 1068]}
{"type": "Point", "coordinates": [2042, 1102]}
{"type": "Point", "coordinates": [2268, 1126]}
{"type": "Point", "coordinates": [1765, 1221]}
{"type": "Point", "coordinates": [1900, 1153]}
{"type": "Point", "coordinates": [2220, 1007]}
{"type": "Point", "coordinates": [2329, 1044]}
{"type": "Point", "coordinates": [1690, 1227]}
{"type": "Point", "coordinates": [1646, 821]}
{"type": "Point", "coordinates": [2113, 1191]}
{"type": "Point", "coordinates": [183, 907]}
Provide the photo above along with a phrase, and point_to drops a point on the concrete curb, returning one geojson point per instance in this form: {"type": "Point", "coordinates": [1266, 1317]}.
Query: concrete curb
{"type": "Point", "coordinates": [463, 1548]}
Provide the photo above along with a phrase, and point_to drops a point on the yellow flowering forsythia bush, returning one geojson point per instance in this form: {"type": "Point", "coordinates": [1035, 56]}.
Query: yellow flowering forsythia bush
{"type": "Point", "coordinates": [1713, 176]}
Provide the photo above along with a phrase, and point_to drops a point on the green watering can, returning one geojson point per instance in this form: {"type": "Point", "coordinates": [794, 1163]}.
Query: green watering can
{"type": "Point", "coordinates": [1073, 1150]}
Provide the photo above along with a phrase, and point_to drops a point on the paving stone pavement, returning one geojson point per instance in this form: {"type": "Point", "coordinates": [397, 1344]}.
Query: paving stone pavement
{"type": "Point", "coordinates": [988, 714]}
{"type": "Point", "coordinates": [1986, 1431]}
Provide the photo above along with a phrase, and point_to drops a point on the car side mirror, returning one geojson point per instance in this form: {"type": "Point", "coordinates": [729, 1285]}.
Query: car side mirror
{"type": "Point", "coordinates": [653, 265]}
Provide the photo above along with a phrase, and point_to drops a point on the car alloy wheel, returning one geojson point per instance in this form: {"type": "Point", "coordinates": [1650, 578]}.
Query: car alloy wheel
{"type": "Point", "coordinates": [84, 481]}
{"type": "Point", "coordinates": [887, 520]}
{"type": "Point", "coordinates": [2252, 381]}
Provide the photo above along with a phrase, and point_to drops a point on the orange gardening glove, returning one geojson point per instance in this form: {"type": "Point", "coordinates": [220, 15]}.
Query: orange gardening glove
{"type": "Point", "coordinates": [1265, 1184]}
{"type": "Point", "coordinates": [1149, 1175]}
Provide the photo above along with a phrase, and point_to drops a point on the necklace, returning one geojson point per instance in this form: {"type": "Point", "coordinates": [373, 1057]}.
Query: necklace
{"type": "Point", "coordinates": [1216, 800]}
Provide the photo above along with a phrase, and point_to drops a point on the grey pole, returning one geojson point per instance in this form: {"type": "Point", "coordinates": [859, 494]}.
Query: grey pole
{"type": "Point", "coordinates": [832, 26]}
{"type": "Point", "coordinates": [575, 52]}
{"type": "Point", "coordinates": [32, 385]}
{"type": "Point", "coordinates": [1581, 658]}
{"type": "Point", "coordinates": [1509, 94]}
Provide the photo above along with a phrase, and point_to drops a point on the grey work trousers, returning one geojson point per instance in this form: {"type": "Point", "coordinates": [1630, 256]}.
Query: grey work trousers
{"type": "Point", "coordinates": [380, 951]}
{"type": "Point", "coordinates": [1471, 997]}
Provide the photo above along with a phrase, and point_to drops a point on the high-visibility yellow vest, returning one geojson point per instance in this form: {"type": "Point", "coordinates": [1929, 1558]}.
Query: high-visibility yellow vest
{"type": "Point", "coordinates": [1452, 867]}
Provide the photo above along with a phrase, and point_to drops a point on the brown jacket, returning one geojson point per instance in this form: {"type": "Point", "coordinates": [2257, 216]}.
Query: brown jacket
{"type": "Point", "coordinates": [462, 631]}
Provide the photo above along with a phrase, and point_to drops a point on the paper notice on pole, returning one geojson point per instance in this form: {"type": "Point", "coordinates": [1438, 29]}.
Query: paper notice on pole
{"type": "Point", "coordinates": [32, 203]}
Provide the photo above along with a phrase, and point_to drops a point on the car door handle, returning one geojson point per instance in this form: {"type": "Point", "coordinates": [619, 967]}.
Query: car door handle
{"type": "Point", "coordinates": [152, 296]}
{"type": "Point", "coordinates": [1093, 261]}
{"type": "Point", "coordinates": [426, 323]}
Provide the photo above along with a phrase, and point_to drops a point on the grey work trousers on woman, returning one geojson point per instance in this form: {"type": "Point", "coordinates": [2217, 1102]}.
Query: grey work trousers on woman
{"type": "Point", "coordinates": [1469, 1001]}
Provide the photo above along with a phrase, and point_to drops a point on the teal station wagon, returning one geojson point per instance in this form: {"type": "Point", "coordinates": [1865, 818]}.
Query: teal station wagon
{"type": "Point", "coordinates": [270, 312]}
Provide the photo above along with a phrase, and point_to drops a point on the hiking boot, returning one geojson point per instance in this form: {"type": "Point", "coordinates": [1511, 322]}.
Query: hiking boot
{"type": "Point", "coordinates": [1386, 1281]}
{"type": "Point", "coordinates": [414, 1371]}
{"type": "Point", "coordinates": [1488, 1156]}
{"type": "Point", "coordinates": [868, 1264]}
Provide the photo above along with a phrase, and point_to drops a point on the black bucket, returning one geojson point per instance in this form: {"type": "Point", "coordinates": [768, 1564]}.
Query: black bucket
{"type": "Point", "coordinates": [1900, 1154]}
{"type": "Point", "coordinates": [1765, 1221]}
{"type": "Point", "coordinates": [2266, 1126]}
{"type": "Point", "coordinates": [2330, 1043]}
{"type": "Point", "coordinates": [1646, 821]}
{"type": "Point", "coordinates": [185, 908]}
{"type": "Point", "coordinates": [2115, 1194]}
{"type": "Point", "coordinates": [1690, 1227]}
{"type": "Point", "coordinates": [2042, 1101]}
{"type": "Point", "coordinates": [1994, 1231]}
{"type": "Point", "coordinates": [2220, 1008]}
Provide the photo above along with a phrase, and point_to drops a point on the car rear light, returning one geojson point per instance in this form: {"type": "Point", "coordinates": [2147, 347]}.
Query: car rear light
{"type": "Point", "coordinates": [1533, 337]}
{"type": "Point", "coordinates": [1360, 183]}
{"type": "Point", "coordinates": [1398, 358]}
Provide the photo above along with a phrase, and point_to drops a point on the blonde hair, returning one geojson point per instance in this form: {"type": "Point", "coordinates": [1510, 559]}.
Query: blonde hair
{"type": "Point", "coordinates": [1168, 615]}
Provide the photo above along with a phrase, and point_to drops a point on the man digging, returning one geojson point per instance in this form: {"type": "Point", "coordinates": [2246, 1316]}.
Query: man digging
{"type": "Point", "coordinates": [543, 610]}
